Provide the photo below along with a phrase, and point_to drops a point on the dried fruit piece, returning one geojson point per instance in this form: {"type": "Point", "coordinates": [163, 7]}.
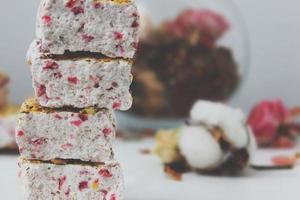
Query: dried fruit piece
{"type": "Point", "coordinates": [105, 173]}
{"type": "Point", "coordinates": [283, 161]}
{"type": "Point", "coordinates": [61, 181]}
{"type": "Point", "coordinates": [83, 185]}
{"type": "Point", "coordinates": [117, 105]}
{"type": "Point", "coordinates": [71, 3]}
{"type": "Point", "coordinates": [118, 35]}
{"type": "Point", "coordinates": [172, 173]}
{"type": "Point", "coordinates": [76, 123]}
{"type": "Point", "coordinates": [50, 64]}
{"type": "Point", "coordinates": [87, 38]}
{"type": "Point", "coordinates": [73, 80]}
{"type": "Point", "coordinates": [20, 133]}
{"type": "Point", "coordinates": [95, 184]}
{"type": "Point", "coordinates": [47, 20]}
{"type": "Point", "coordinates": [77, 10]}
{"type": "Point", "coordinates": [41, 90]}
{"type": "Point", "coordinates": [107, 132]}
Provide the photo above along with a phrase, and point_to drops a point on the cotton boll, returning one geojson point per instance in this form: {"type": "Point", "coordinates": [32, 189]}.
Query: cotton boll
{"type": "Point", "coordinates": [214, 112]}
{"type": "Point", "coordinates": [199, 147]}
{"type": "Point", "coordinates": [232, 121]}
{"type": "Point", "coordinates": [236, 132]}
{"type": "Point", "coordinates": [217, 139]}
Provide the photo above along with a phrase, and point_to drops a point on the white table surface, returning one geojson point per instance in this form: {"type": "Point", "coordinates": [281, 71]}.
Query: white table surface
{"type": "Point", "coordinates": [145, 179]}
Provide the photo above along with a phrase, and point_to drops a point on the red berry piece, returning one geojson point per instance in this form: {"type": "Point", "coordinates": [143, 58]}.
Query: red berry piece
{"type": "Point", "coordinates": [105, 173]}
{"type": "Point", "coordinates": [20, 133]}
{"type": "Point", "coordinates": [83, 117]}
{"type": "Point", "coordinates": [118, 35]}
{"type": "Point", "coordinates": [134, 45]}
{"type": "Point", "coordinates": [47, 20]}
{"type": "Point", "coordinates": [71, 3]}
{"type": "Point", "coordinates": [83, 185]}
{"type": "Point", "coordinates": [66, 146]}
{"type": "Point", "coordinates": [113, 197]}
{"type": "Point", "coordinates": [117, 105]}
{"type": "Point", "coordinates": [76, 123]}
{"type": "Point", "coordinates": [135, 14]}
{"type": "Point", "coordinates": [135, 24]}
{"type": "Point", "coordinates": [39, 141]}
{"type": "Point", "coordinates": [61, 182]}
{"type": "Point", "coordinates": [106, 132]}
{"type": "Point", "coordinates": [77, 10]}
{"type": "Point", "coordinates": [83, 172]}
{"type": "Point", "coordinates": [49, 64]}
{"type": "Point", "coordinates": [73, 80]}
{"type": "Point", "coordinates": [58, 75]}
{"type": "Point", "coordinates": [67, 193]}
{"type": "Point", "coordinates": [41, 90]}
{"type": "Point", "coordinates": [104, 192]}
{"type": "Point", "coordinates": [97, 5]}
{"type": "Point", "coordinates": [87, 38]}
{"type": "Point", "coordinates": [57, 116]}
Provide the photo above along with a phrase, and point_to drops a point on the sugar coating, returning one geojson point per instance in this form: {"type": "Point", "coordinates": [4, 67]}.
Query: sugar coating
{"type": "Point", "coordinates": [107, 27]}
{"type": "Point", "coordinates": [66, 135]}
{"type": "Point", "coordinates": [71, 182]}
{"type": "Point", "coordinates": [82, 82]}
{"type": "Point", "coordinates": [7, 131]}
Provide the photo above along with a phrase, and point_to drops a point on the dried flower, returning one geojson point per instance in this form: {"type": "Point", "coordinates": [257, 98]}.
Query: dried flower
{"type": "Point", "coordinates": [272, 124]}
{"type": "Point", "coordinates": [167, 146]}
{"type": "Point", "coordinates": [211, 24]}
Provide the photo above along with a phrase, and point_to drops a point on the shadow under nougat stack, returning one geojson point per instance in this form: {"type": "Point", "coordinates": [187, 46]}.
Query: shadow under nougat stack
{"type": "Point", "coordinates": [81, 72]}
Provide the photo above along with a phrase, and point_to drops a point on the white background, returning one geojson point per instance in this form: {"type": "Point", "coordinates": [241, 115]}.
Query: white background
{"type": "Point", "coordinates": [273, 25]}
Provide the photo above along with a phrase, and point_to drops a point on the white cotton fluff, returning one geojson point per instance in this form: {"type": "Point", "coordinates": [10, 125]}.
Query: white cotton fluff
{"type": "Point", "coordinates": [199, 147]}
{"type": "Point", "coordinates": [197, 144]}
{"type": "Point", "coordinates": [231, 120]}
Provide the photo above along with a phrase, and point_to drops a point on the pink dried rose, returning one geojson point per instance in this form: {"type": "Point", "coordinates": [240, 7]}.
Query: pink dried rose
{"type": "Point", "coordinates": [209, 24]}
{"type": "Point", "coordinates": [273, 124]}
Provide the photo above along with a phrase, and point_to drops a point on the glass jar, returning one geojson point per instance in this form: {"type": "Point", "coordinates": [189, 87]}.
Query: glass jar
{"type": "Point", "coordinates": [189, 50]}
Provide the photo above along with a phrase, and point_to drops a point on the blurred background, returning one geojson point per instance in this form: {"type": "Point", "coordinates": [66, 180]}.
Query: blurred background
{"type": "Point", "coordinates": [273, 31]}
{"type": "Point", "coordinates": [235, 51]}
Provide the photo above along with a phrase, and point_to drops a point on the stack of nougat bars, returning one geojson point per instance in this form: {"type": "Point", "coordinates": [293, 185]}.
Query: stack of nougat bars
{"type": "Point", "coordinates": [80, 64]}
